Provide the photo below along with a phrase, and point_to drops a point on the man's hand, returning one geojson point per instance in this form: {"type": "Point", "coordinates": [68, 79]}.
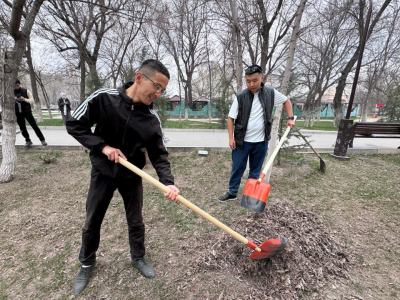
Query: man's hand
{"type": "Point", "coordinates": [232, 144]}
{"type": "Point", "coordinates": [113, 153]}
{"type": "Point", "coordinates": [172, 194]}
{"type": "Point", "coordinates": [290, 123]}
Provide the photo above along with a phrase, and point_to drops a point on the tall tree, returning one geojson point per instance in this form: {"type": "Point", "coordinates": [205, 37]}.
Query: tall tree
{"type": "Point", "coordinates": [20, 32]}
{"type": "Point", "coordinates": [264, 26]}
{"type": "Point", "coordinates": [237, 45]}
{"type": "Point", "coordinates": [322, 49]}
{"type": "Point", "coordinates": [285, 82]}
{"type": "Point", "coordinates": [358, 15]}
{"type": "Point", "coordinates": [384, 48]}
{"type": "Point", "coordinates": [185, 35]}
{"type": "Point", "coordinates": [80, 26]}
{"type": "Point", "coordinates": [123, 43]}
{"type": "Point", "coordinates": [35, 94]}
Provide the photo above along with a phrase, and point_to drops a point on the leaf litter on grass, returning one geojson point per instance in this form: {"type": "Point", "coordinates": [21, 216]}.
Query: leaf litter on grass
{"type": "Point", "coordinates": [313, 256]}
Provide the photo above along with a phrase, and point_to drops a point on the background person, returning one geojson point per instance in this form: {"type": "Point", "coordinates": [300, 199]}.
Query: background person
{"type": "Point", "coordinates": [64, 106]}
{"type": "Point", "coordinates": [251, 113]}
{"type": "Point", "coordinates": [23, 111]}
{"type": "Point", "coordinates": [126, 123]}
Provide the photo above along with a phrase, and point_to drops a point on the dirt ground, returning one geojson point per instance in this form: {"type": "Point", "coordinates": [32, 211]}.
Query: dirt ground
{"type": "Point", "coordinates": [342, 230]}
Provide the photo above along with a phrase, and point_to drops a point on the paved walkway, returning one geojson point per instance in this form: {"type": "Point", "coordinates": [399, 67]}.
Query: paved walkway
{"type": "Point", "coordinates": [57, 136]}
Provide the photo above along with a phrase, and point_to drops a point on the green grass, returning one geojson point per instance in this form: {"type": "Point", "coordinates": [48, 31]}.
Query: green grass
{"type": "Point", "coordinates": [169, 124]}
{"type": "Point", "coordinates": [321, 125]}
{"type": "Point", "coordinates": [51, 122]}
{"type": "Point", "coordinates": [191, 125]}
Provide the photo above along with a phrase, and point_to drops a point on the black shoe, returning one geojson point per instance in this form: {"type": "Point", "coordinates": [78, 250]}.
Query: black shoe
{"type": "Point", "coordinates": [227, 197]}
{"type": "Point", "coordinates": [28, 144]}
{"type": "Point", "coordinates": [145, 268]}
{"type": "Point", "coordinates": [44, 143]}
{"type": "Point", "coordinates": [82, 279]}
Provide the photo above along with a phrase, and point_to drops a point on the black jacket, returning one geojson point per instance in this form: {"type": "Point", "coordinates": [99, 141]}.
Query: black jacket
{"type": "Point", "coordinates": [22, 106]}
{"type": "Point", "coordinates": [123, 125]}
{"type": "Point", "coordinates": [245, 98]}
{"type": "Point", "coordinates": [61, 106]}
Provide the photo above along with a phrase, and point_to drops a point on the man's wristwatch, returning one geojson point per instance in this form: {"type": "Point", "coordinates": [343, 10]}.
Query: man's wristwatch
{"type": "Point", "coordinates": [290, 118]}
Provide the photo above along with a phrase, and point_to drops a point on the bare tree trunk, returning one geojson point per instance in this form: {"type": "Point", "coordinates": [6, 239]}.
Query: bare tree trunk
{"type": "Point", "coordinates": [209, 82]}
{"type": "Point", "coordinates": [364, 106]}
{"type": "Point", "coordinates": [180, 99]}
{"type": "Point", "coordinates": [38, 106]}
{"type": "Point", "coordinates": [237, 46]}
{"type": "Point", "coordinates": [44, 92]}
{"type": "Point", "coordinates": [11, 65]}
{"type": "Point", "coordinates": [9, 161]}
{"type": "Point", "coordinates": [83, 76]}
{"type": "Point", "coordinates": [337, 100]}
{"type": "Point", "coordinates": [285, 82]}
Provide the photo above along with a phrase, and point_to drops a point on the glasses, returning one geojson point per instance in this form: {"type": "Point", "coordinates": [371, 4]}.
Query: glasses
{"type": "Point", "coordinates": [157, 87]}
{"type": "Point", "coordinates": [253, 69]}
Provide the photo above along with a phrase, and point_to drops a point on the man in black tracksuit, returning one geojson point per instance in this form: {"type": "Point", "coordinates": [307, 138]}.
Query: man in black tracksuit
{"type": "Point", "coordinates": [126, 124]}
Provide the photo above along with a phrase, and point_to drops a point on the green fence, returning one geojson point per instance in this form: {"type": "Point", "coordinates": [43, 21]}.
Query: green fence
{"type": "Point", "coordinates": [202, 113]}
{"type": "Point", "coordinates": [327, 111]}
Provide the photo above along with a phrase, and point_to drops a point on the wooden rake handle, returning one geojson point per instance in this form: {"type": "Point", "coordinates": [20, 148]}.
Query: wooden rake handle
{"type": "Point", "coordinates": [189, 205]}
{"type": "Point", "coordinates": [308, 143]}
{"type": "Point", "coordinates": [271, 159]}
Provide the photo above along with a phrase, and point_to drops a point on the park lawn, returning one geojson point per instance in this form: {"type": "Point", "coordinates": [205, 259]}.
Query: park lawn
{"type": "Point", "coordinates": [51, 122]}
{"type": "Point", "coordinates": [325, 125]}
{"type": "Point", "coordinates": [42, 212]}
{"type": "Point", "coordinates": [192, 124]}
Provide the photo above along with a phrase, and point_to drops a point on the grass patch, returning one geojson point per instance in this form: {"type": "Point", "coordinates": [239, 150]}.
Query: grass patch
{"type": "Point", "coordinates": [194, 124]}
{"type": "Point", "coordinates": [321, 125]}
{"type": "Point", "coordinates": [51, 122]}
{"type": "Point", "coordinates": [356, 200]}
{"type": "Point", "coordinates": [190, 124]}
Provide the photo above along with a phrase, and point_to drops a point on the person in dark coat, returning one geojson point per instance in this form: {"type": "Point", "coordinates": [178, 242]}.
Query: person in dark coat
{"type": "Point", "coordinates": [64, 106]}
{"type": "Point", "coordinates": [23, 111]}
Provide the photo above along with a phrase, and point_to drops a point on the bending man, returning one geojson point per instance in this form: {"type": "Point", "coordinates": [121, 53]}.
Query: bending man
{"type": "Point", "coordinates": [126, 124]}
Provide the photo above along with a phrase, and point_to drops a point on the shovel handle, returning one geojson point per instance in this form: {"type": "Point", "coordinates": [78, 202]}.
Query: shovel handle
{"type": "Point", "coordinates": [271, 159]}
{"type": "Point", "coordinates": [190, 205]}
{"type": "Point", "coordinates": [312, 148]}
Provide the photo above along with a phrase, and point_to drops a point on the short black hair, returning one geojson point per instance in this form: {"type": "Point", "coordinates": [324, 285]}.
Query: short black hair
{"type": "Point", "coordinates": [17, 81]}
{"type": "Point", "coordinates": [253, 69]}
{"type": "Point", "coordinates": [150, 66]}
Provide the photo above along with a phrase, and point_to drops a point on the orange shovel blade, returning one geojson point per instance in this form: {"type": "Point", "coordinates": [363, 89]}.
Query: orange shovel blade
{"type": "Point", "coordinates": [255, 195]}
{"type": "Point", "coordinates": [269, 248]}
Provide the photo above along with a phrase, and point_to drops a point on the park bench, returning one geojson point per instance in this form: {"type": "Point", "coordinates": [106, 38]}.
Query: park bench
{"type": "Point", "coordinates": [374, 130]}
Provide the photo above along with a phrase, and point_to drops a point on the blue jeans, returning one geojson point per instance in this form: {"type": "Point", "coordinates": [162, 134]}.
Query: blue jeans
{"type": "Point", "coordinates": [256, 153]}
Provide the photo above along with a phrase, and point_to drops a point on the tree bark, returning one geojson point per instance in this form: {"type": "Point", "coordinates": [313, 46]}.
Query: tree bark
{"type": "Point", "coordinates": [11, 66]}
{"type": "Point", "coordinates": [337, 100]}
{"type": "Point", "coordinates": [9, 161]}
{"type": "Point", "coordinates": [44, 92]}
{"type": "Point", "coordinates": [38, 106]}
{"type": "Point", "coordinates": [237, 46]}
{"type": "Point", "coordinates": [83, 77]}
{"type": "Point", "coordinates": [285, 82]}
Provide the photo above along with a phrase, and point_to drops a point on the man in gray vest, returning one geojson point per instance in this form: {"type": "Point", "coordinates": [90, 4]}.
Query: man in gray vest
{"type": "Point", "coordinates": [23, 111]}
{"type": "Point", "coordinates": [251, 112]}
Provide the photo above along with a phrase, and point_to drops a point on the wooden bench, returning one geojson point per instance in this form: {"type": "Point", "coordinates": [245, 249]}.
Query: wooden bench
{"type": "Point", "coordinates": [374, 130]}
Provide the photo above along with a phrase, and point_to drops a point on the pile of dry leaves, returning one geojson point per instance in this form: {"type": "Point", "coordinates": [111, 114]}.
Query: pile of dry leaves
{"type": "Point", "coordinates": [312, 257]}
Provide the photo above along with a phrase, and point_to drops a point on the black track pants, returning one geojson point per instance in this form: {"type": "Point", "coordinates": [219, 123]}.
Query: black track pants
{"type": "Point", "coordinates": [31, 120]}
{"type": "Point", "coordinates": [100, 193]}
